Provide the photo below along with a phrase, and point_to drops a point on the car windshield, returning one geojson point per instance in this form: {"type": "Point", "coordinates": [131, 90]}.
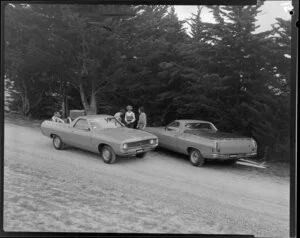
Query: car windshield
{"type": "Point", "coordinates": [199, 126]}
{"type": "Point", "coordinates": [105, 122]}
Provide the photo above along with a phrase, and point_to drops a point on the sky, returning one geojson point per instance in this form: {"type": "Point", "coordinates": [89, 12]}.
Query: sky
{"type": "Point", "coordinates": [270, 11]}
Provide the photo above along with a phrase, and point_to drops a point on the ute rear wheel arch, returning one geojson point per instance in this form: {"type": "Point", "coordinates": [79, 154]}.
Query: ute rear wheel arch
{"type": "Point", "coordinates": [196, 158]}
{"type": "Point", "coordinates": [108, 155]}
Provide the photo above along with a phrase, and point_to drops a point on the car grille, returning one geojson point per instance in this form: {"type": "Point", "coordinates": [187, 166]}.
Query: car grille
{"type": "Point", "coordinates": [138, 143]}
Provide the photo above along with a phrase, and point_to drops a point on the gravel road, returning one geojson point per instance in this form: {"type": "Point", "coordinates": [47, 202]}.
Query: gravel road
{"type": "Point", "coordinates": [73, 190]}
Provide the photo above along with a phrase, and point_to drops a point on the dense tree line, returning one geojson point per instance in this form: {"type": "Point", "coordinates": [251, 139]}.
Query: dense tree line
{"type": "Point", "coordinates": [101, 58]}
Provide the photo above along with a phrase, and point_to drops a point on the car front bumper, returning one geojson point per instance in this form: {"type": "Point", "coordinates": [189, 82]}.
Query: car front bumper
{"type": "Point", "coordinates": [136, 150]}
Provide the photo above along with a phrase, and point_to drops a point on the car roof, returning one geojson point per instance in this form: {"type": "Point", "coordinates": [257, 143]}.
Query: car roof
{"type": "Point", "coordinates": [192, 121]}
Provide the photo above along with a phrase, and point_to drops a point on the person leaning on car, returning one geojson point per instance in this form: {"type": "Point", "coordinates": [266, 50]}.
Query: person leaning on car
{"type": "Point", "coordinates": [57, 117]}
{"type": "Point", "coordinates": [129, 117]}
{"type": "Point", "coordinates": [120, 115]}
{"type": "Point", "coordinates": [142, 119]}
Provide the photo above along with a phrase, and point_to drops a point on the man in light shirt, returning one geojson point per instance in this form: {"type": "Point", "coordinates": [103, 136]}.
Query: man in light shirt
{"type": "Point", "coordinates": [129, 117]}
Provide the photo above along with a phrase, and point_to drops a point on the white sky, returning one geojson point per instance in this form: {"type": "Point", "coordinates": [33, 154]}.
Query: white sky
{"type": "Point", "coordinates": [270, 11]}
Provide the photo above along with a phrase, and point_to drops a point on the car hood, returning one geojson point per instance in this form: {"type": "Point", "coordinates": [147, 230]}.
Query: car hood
{"type": "Point", "coordinates": [217, 135]}
{"type": "Point", "coordinates": [126, 134]}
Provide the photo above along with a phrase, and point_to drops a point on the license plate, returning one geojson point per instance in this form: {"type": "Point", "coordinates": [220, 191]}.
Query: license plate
{"type": "Point", "coordinates": [233, 156]}
{"type": "Point", "coordinates": [139, 151]}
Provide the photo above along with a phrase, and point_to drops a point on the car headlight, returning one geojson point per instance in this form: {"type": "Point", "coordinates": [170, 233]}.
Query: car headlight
{"type": "Point", "coordinates": [154, 141]}
{"type": "Point", "coordinates": [125, 146]}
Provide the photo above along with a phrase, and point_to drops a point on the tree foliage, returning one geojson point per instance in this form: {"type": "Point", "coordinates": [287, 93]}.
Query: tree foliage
{"type": "Point", "coordinates": [104, 57]}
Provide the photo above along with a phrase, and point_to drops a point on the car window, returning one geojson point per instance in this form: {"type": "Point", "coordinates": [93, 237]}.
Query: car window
{"type": "Point", "coordinates": [105, 122]}
{"type": "Point", "coordinates": [198, 126]}
{"type": "Point", "coordinates": [95, 125]}
{"type": "Point", "coordinates": [174, 126]}
{"type": "Point", "coordinates": [82, 124]}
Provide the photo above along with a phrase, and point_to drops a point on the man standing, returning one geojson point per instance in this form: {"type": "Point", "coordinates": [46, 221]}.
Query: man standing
{"type": "Point", "coordinates": [129, 117]}
{"type": "Point", "coordinates": [142, 119]}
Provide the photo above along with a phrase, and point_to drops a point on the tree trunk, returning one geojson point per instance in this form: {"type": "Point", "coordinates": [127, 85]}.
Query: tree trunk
{"type": "Point", "coordinates": [90, 108]}
{"type": "Point", "coordinates": [266, 153]}
{"type": "Point", "coordinates": [25, 106]}
{"type": "Point", "coordinates": [25, 100]}
{"type": "Point", "coordinates": [83, 97]}
{"type": "Point", "coordinates": [63, 97]}
{"type": "Point", "coordinates": [67, 107]}
{"type": "Point", "coordinates": [63, 107]}
{"type": "Point", "coordinates": [37, 101]}
{"type": "Point", "coordinates": [93, 105]}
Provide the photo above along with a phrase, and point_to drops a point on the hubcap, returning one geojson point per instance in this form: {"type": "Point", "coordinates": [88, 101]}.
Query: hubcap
{"type": "Point", "coordinates": [57, 142]}
{"type": "Point", "coordinates": [194, 156]}
{"type": "Point", "coordinates": [106, 154]}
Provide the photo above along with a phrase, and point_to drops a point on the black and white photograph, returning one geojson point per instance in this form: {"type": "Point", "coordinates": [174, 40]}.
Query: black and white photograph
{"type": "Point", "coordinates": [142, 118]}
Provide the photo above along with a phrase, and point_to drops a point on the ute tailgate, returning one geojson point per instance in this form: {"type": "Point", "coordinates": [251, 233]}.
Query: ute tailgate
{"type": "Point", "coordinates": [235, 146]}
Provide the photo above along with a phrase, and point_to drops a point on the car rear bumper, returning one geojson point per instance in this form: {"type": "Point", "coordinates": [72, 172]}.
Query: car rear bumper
{"type": "Point", "coordinates": [231, 156]}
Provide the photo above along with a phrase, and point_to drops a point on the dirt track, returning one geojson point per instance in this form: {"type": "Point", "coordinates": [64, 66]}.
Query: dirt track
{"type": "Point", "coordinates": [73, 190]}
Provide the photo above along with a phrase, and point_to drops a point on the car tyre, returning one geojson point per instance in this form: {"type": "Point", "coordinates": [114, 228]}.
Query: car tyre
{"type": "Point", "coordinates": [141, 155]}
{"type": "Point", "coordinates": [196, 157]}
{"type": "Point", "coordinates": [57, 143]}
{"type": "Point", "coordinates": [108, 155]}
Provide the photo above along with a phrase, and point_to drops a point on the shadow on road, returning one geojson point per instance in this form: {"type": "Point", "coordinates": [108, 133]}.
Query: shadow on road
{"type": "Point", "coordinates": [212, 164]}
{"type": "Point", "coordinates": [95, 156]}
{"type": "Point", "coordinates": [165, 155]}
{"type": "Point", "coordinates": [181, 157]}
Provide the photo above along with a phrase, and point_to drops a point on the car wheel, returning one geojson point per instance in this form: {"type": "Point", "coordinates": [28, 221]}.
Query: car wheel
{"type": "Point", "coordinates": [108, 154]}
{"type": "Point", "coordinates": [141, 155]}
{"type": "Point", "coordinates": [196, 157]}
{"type": "Point", "coordinates": [57, 143]}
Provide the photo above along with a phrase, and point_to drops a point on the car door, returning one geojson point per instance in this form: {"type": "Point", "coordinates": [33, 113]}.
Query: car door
{"type": "Point", "coordinates": [168, 136]}
{"type": "Point", "coordinates": [81, 135]}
